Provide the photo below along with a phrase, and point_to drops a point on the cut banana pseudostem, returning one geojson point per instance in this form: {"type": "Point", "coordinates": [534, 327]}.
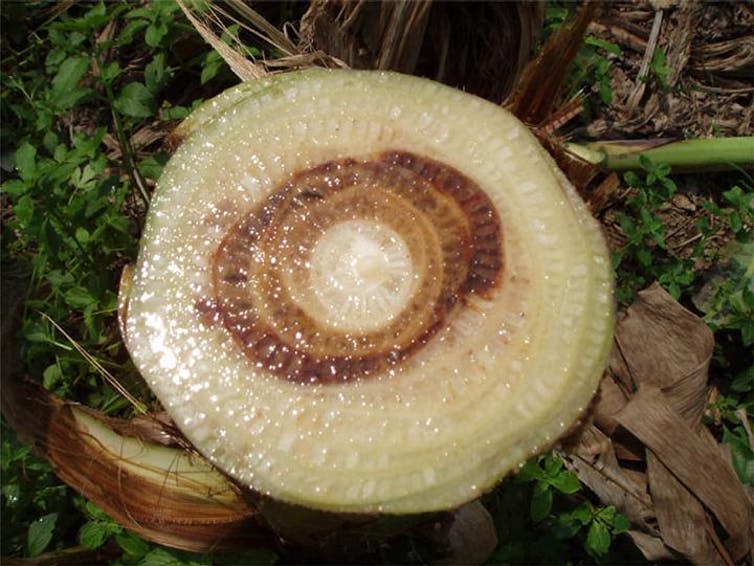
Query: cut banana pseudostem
{"type": "Point", "coordinates": [367, 292]}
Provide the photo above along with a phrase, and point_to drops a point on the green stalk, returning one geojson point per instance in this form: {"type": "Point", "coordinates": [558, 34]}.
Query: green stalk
{"type": "Point", "coordinates": [711, 154]}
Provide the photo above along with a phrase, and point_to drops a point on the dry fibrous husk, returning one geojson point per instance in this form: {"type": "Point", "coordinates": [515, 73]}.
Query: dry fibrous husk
{"type": "Point", "coordinates": [244, 68]}
{"type": "Point", "coordinates": [537, 92]}
{"type": "Point", "coordinates": [214, 21]}
{"type": "Point", "coordinates": [480, 47]}
{"type": "Point", "coordinates": [647, 451]}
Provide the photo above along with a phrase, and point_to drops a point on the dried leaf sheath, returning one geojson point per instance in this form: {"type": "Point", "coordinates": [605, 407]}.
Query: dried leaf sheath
{"type": "Point", "coordinates": [244, 69]}
{"type": "Point", "coordinates": [167, 495]}
{"type": "Point", "coordinates": [539, 87]}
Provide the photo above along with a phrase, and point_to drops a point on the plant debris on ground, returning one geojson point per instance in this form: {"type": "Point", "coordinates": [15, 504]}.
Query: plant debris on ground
{"type": "Point", "coordinates": [90, 93]}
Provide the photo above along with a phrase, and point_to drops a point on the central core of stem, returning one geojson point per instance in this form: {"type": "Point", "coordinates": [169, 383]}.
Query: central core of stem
{"type": "Point", "coordinates": [362, 275]}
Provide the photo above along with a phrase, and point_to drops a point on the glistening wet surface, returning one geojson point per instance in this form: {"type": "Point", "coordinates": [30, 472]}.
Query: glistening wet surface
{"type": "Point", "coordinates": [351, 266]}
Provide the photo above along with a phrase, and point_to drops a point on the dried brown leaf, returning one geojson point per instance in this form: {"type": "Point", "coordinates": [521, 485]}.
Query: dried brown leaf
{"type": "Point", "coordinates": [611, 399]}
{"type": "Point", "coordinates": [696, 461]}
{"type": "Point", "coordinates": [253, 21]}
{"type": "Point", "coordinates": [650, 546]}
{"type": "Point", "coordinates": [680, 516]}
{"type": "Point", "coordinates": [654, 394]}
{"type": "Point", "coordinates": [665, 345]}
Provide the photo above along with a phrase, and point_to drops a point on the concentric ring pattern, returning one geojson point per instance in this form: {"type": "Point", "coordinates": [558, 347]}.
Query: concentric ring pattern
{"type": "Point", "coordinates": [364, 292]}
{"type": "Point", "coordinates": [278, 311]}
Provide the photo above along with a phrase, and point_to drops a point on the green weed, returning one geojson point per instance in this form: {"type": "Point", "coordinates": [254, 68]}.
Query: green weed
{"type": "Point", "coordinates": [658, 68]}
{"type": "Point", "coordinates": [561, 522]}
{"type": "Point", "coordinates": [644, 257]}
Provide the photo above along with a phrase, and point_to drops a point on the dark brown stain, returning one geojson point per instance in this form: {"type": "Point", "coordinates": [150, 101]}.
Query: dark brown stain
{"type": "Point", "coordinates": [253, 304]}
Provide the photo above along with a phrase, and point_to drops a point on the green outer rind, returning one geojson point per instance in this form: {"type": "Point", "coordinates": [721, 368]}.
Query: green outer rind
{"type": "Point", "coordinates": [473, 469]}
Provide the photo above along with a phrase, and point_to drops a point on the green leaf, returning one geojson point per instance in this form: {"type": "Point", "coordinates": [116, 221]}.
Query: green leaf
{"type": "Point", "coordinates": [212, 65]}
{"type": "Point", "coordinates": [50, 141]}
{"type": "Point", "coordinates": [78, 297]}
{"type": "Point", "coordinates": [621, 524]}
{"type": "Point", "coordinates": [735, 221]}
{"type": "Point", "coordinates": [26, 161]}
{"type": "Point", "coordinates": [646, 164]}
{"type": "Point", "coordinates": [24, 210]}
{"type": "Point", "coordinates": [531, 471]}
{"type": "Point", "coordinates": [565, 482]}
{"type": "Point", "coordinates": [611, 48]}
{"type": "Point", "coordinates": [744, 382]}
{"type": "Point", "coordinates": [162, 557]}
{"type": "Point", "coordinates": [606, 92]}
{"type": "Point", "coordinates": [65, 91]}
{"type": "Point", "coordinates": [734, 195]}
{"type": "Point", "coordinates": [583, 513]}
{"type": "Point", "coordinates": [155, 73]}
{"type": "Point", "coordinates": [88, 24]}
{"type": "Point", "coordinates": [747, 332]}
{"type": "Point", "coordinates": [742, 455]}
{"type": "Point", "coordinates": [94, 534]}
{"type": "Point", "coordinates": [110, 72]}
{"type": "Point", "coordinates": [40, 534]}
{"type": "Point", "coordinates": [82, 235]}
{"type": "Point", "coordinates": [51, 376]}
{"type": "Point", "coordinates": [154, 34]}
{"type": "Point", "coordinates": [566, 527]}
{"type": "Point", "coordinates": [95, 512]}
{"type": "Point", "coordinates": [644, 256]}
{"type": "Point", "coordinates": [44, 119]}
{"type": "Point", "coordinates": [54, 58]}
{"type": "Point", "coordinates": [151, 167]}
{"type": "Point", "coordinates": [174, 113]}
{"type": "Point", "coordinates": [552, 465]}
{"type": "Point", "coordinates": [659, 65]}
{"type": "Point", "coordinates": [541, 502]}
{"type": "Point", "coordinates": [134, 547]}
{"type": "Point", "coordinates": [15, 187]}
{"type": "Point", "coordinates": [129, 31]}
{"type": "Point", "coordinates": [632, 179]}
{"type": "Point", "coordinates": [607, 514]}
{"type": "Point", "coordinates": [136, 101]}
{"type": "Point", "coordinates": [597, 539]}
{"type": "Point", "coordinates": [96, 16]}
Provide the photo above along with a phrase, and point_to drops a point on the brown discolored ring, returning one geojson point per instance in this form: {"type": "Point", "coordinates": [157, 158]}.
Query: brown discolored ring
{"type": "Point", "coordinates": [448, 223]}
